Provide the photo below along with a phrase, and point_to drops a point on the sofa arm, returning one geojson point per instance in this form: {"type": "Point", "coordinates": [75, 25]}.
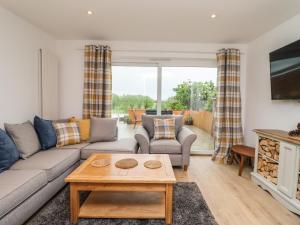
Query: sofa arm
{"type": "Point", "coordinates": [142, 137]}
{"type": "Point", "coordinates": [186, 138]}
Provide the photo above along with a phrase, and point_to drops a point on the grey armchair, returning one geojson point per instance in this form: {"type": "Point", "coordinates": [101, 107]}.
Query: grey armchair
{"type": "Point", "coordinates": [178, 150]}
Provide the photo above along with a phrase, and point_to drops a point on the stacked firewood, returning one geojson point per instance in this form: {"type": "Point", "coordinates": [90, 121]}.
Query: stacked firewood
{"type": "Point", "coordinates": [268, 169]}
{"type": "Point", "coordinates": [269, 148]}
{"type": "Point", "coordinates": [298, 189]}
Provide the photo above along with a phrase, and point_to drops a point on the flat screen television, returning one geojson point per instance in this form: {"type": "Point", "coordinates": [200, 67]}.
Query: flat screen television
{"type": "Point", "coordinates": [285, 72]}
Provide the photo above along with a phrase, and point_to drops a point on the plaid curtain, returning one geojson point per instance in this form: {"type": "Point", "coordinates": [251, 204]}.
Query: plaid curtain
{"type": "Point", "coordinates": [228, 126]}
{"type": "Point", "coordinates": [97, 94]}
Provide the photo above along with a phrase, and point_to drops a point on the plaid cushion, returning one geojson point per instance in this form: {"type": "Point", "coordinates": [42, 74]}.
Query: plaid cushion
{"type": "Point", "coordinates": [67, 134]}
{"type": "Point", "coordinates": [164, 128]}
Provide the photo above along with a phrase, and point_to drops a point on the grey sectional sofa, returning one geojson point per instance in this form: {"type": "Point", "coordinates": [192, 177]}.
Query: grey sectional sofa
{"type": "Point", "coordinates": [30, 183]}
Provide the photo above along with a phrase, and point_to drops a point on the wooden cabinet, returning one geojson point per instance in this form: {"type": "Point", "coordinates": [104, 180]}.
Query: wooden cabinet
{"type": "Point", "coordinates": [277, 166]}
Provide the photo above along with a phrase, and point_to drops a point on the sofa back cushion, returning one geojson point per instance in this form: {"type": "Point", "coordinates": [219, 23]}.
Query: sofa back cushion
{"type": "Point", "coordinates": [148, 123]}
{"type": "Point", "coordinates": [103, 129]}
{"type": "Point", "coordinates": [25, 138]}
{"type": "Point", "coordinates": [45, 132]}
{"type": "Point", "coordinates": [84, 127]}
{"type": "Point", "coordinates": [66, 134]}
{"type": "Point", "coordinates": [8, 151]}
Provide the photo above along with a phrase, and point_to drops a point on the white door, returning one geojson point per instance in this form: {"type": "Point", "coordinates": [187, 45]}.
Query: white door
{"type": "Point", "coordinates": [49, 85]}
{"type": "Point", "coordinates": [287, 168]}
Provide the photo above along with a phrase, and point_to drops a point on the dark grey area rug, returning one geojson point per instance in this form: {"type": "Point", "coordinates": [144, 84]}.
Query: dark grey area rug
{"type": "Point", "coordinates": [189, 208]}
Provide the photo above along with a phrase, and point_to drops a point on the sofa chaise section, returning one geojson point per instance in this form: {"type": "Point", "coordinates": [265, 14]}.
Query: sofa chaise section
{"type": "Point", "coordinates": [18, 185]}
{"type": "Point", "coordinates": [27, 208]}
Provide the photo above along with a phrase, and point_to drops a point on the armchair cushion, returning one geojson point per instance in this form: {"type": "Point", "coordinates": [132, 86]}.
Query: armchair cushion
{"type": "Point", "coordinates": [148, 123]}
{"type": "Point", "coordinates": [164, 129]}
{"type": "Point", "coordinates": [165, 146]}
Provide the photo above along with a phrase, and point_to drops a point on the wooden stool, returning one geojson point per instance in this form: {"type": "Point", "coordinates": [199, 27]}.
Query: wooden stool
{"type": "Point", "coordinates": [244, 152]}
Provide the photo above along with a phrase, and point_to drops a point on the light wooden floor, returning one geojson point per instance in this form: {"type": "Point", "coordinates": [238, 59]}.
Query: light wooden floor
{"type": "Point", "coordinates": [235, 200]}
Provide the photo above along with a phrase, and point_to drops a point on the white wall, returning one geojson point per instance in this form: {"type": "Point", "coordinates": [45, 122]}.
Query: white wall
{"type": "Point", "coordinates": [262, 112]}
{"type": "Point", "coordinates": [19, 43]}
{"type": "Point", "coordinates": [71, 59]}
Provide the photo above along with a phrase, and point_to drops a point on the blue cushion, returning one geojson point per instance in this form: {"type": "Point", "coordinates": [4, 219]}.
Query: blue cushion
{"type": "Point", "coordinates": [8, 151]}
{"type": "Point", "coordinates": [46, 132]}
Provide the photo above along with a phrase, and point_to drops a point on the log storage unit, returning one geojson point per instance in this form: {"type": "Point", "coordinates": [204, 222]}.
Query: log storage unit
{"type": "Point", "coordinates": [268, 158]}
{"type": "Point", "coordinates": [277, 166]}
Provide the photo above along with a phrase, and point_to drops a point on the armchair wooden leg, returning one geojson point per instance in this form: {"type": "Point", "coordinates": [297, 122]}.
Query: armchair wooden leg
{"type": "Point", "coordinates": [185, 168]}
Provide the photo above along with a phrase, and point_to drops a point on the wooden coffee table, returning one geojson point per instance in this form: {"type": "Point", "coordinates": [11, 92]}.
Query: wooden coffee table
{"type": "Point", "coordinates": [138, 192]}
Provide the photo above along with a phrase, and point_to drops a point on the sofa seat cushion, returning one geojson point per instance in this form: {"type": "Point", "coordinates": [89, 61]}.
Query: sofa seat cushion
{"type": "Point", "coordinates": [126, 145]}
{"type": "Point", "coordinates": [76, 146]}
{"type": "Point", "coordinates": [165, 146]}
{"type": "Point", "coordinates": [18, 185]}
{"type": "Point", "coordinates": [54, 161]}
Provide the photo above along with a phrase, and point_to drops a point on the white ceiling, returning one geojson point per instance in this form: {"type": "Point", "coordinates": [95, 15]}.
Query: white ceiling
{"type": "Point", "coordinates": [238, 21]}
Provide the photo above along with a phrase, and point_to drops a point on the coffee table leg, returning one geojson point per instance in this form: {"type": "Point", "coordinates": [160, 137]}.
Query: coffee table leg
{"type": "Point", "coordinates": [169, 204]}
{"type": "Point", "coordinates": [74, 203]}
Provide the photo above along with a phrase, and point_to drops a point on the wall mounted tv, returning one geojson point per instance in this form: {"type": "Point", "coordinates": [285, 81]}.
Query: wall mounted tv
{"type": "Point", "coordinates": [285, 72]}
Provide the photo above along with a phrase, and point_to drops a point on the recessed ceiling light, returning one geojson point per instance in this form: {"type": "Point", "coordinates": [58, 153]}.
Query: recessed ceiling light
{"type": "Point", "coordinates": [213, 16]}
{"type": "Point", "coordinates": [90, 12]}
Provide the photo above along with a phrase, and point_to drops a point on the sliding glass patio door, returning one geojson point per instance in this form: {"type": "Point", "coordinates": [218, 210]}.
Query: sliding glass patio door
{"type": "Point", "coordinates": [189, 91]}
{"type": "Point", "coordinates": [134, 90]}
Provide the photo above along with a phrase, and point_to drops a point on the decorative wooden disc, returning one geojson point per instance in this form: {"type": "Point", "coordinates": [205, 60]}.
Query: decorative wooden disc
{"type": "Point", "coordinates": [100, 162]}
{"type": "Point", "coordinates": [152, 164]}
{"type": "Point", "coordinates": [126, 163]}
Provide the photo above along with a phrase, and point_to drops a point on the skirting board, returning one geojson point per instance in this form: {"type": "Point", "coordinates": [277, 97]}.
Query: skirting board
{"type": "Point", "coordinates": [202, 152]}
